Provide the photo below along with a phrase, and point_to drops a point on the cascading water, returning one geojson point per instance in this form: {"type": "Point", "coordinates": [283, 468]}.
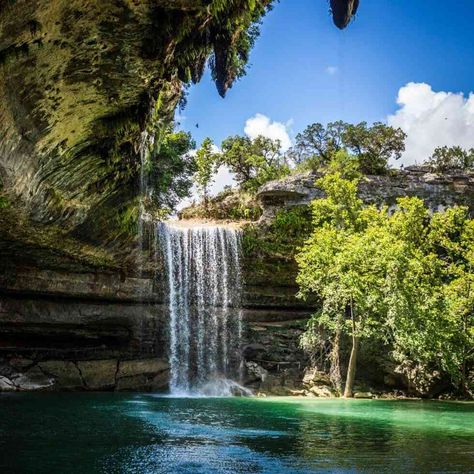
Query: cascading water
{"type": "Point", "coordinates": [204, 286]}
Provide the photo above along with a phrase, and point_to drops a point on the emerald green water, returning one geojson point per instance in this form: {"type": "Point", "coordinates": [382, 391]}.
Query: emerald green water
{"type": "Point", "coordinates": [116, 433]}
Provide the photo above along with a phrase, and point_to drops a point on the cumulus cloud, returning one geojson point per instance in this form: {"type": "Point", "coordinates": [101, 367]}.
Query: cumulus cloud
{"type": "Point", "coordinates": [260, 124]}
{"type": "Point", "coordinates": [331, 70]}
{"type": "Point", "coordinates": [432, 119]}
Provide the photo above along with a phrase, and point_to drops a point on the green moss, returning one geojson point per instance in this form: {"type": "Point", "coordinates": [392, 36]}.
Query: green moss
{"type": "Point", "coordinates": [288, 230]}
{"type": "Point", "coordinates": [104, 73]}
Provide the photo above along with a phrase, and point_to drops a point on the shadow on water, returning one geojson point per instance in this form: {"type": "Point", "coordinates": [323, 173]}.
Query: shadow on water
{"type": "Point", "coordinates": [120, 433]}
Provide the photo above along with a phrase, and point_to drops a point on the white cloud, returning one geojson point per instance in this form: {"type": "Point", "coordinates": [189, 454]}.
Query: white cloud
{"type": "Point", "coordinates": [331, 70]}
{"type": "Point", "coordinates": [262, 125]}
{"type": "Point", "coordinates": [432, 119]}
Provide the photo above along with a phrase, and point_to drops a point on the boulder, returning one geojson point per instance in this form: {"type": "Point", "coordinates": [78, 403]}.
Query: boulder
{"type": "Point", "coordinates": [363, 395]}
{"type": "Point", "coordinates": [321, 391]}
{"type": "Point", "coordinates": [98, 374]}
{"type": "Point", "coordinates": [6, 385]}
{"type": "Point", "coordinates": [33, 380]}
{"type": "Point", "coordinates": [313, 376]}
{"type": "Point", "coordinates": [66, 373]}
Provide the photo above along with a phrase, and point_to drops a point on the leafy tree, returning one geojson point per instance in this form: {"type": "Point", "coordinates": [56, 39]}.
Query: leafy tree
{"type": "Point", "coordinates": [445, 159]}
{"type": "Point", "coordinates": [205, 161]}
{"type": "Point", "coordinates": [374, 146]}
{"type": "Point", "coordinates": [170, 167]}
{"type": "Point", "coordinates": [337, 264]}
{"type": "Point", "coordinates": [253, 161]}
{"type": "Point", "coordinates": [317, 143]}
{"type": "Point", "coordinates": [404, 277]}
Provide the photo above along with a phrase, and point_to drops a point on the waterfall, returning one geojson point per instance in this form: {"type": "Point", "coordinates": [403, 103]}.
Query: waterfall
{"type": "Point", "coordinates": [202, 265]}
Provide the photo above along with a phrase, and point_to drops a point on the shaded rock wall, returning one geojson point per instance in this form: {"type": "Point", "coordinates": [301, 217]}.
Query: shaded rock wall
{"type": "Point", "coordinates": [90, 330]}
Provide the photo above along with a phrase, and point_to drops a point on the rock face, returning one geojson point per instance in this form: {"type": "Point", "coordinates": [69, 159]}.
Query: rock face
{"type": "Point", "coordinates": [94, 330]}
{"type": "Point", "coordinates": [80, 81]}
{"type": "Point", "coordinates": [438, 191]}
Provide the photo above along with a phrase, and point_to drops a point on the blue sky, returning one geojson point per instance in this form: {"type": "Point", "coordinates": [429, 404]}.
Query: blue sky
{"type": "Point", "coordinates": [390, 44]}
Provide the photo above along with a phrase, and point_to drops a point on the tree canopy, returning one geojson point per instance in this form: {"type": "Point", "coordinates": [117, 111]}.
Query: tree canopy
{"type": "Point", "coordinates": [206, 163]}
{"type": "Point", "coordinates": [169, 168]}
{"type": "Point", "coordinates": [451, 159]}
{"type": "Point", "coordinates": [372, 146]}
{"type": "Point", "coordinates": [405, 278]}
{"type": "Point", "coordinates": [253, 161]}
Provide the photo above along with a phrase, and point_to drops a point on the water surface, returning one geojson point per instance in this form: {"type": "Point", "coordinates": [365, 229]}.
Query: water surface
{"type": "Point", "coordinates": [130, 433]}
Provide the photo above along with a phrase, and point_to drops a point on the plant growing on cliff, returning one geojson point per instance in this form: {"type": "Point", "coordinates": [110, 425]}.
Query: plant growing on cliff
{"type": "Point", "coordinates": [405, 278]}
{"type": "Point", "coordinates": [253, 161]}
{"type": "Point", "coordinates": [451, 159]}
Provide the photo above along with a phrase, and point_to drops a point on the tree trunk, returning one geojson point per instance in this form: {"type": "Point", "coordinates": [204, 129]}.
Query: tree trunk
{"type": "Point", "coordinates": [335, 369]}
{"type": "Point", "coordinates": [351, 369]}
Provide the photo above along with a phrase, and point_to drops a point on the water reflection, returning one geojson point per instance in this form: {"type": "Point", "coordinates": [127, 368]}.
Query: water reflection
{"type": "Point", "coordinates": [107, 433]}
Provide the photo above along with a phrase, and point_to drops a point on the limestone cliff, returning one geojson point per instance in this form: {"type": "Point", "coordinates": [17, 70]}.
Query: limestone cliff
{"type": "Point", "coordinates": [80, 83]}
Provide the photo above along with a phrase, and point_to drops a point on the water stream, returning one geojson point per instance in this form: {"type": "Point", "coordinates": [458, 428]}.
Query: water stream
{"type": "Point", "coordinates": [204, 283]}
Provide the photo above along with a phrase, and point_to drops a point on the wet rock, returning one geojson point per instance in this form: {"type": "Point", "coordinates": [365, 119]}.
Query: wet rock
{"type": "Point", "coordinates": [298, 393]}
{"type": "Point", "coordinates": [65, 373]}
{"type": "Point", "coordinates": [321, 391]}
{"type": "Point", "coordinates": [6, 385]}
{"type": "Point", "coordinates": [256, 372]}
{"type": "Point", "coordinates": [130, 368]}
{"type": "Point", "coordinates": [98, 374]}
{"type": "Point", "coordinates": [363, 395]}
{"type": "Point", "coordinates": [20, 363]}
{"type": "Point", "coordinates": [33, 380]}
{"type": "Point", "coordinates": [136, 382]}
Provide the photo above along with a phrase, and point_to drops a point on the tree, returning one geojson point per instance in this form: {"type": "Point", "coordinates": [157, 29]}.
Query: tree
{"type": "Point", "coordinates": [374, 146]}
{"type": "Point", "coordinates": [405, 278]}
{"type": "Point", "coordinates": [317, 143]}
{"type": "Point", "coordinates": [337, 264]}
{"type": "Point", "coordinates": [253, 161]}
{"type": "Point", "coordinates": [170, 167]}
{"type": "Point", "coordinates": [206, 158]}
{"type": "Point", "coordinates": [445, 159]}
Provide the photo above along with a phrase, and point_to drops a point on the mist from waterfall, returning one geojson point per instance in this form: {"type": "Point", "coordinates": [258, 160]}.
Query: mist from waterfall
{"type": "Point", "coordinates": [204, 297]}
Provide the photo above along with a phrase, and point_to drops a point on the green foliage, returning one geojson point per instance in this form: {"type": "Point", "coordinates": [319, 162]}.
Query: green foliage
{"type": "Point", "coordinates": [230, 204]}
{"type": "Point", "coordinates": [233, 38]}
{"type": "Point", "coordinates": [318, 144]}
{"type": "Point", "coordinates": [405, 277]}
{"type": "Point", "coordinates": [253, 162]}
{"type": "Point", "coordinates": [288, 230]}
{"type": "Point", "coordinates": [169, 168]}
{"type": "Point", "coordinates": [205, 161]}
{"type": "Point", "coordinates": [451, 159]}
{"type": "Point", "coordinates": [372, 147]}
